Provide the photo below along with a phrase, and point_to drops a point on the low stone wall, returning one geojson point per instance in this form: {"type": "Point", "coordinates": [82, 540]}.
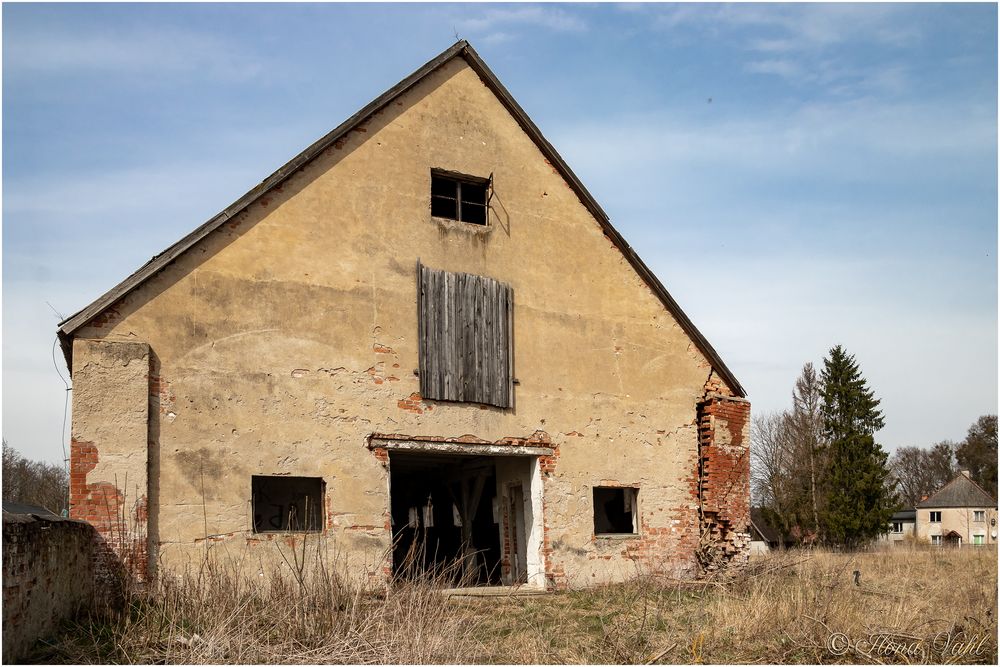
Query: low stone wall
{"type": "Point", "coordinates": [47, 576]}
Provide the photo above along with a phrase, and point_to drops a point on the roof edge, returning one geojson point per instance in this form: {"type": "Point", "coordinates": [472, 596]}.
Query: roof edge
{"type": "Point", "coordinates": [79, 319]}
{"type": "Point", "coordinates": [462, 48]}
{"type": "Point", "coordinates": [485, 73]}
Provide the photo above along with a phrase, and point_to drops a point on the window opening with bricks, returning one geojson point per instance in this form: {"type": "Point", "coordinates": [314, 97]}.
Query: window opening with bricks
{"type": "Point", "coordinates": [615, 510]}
{"type": "Point", "coordinates": [287, 504]}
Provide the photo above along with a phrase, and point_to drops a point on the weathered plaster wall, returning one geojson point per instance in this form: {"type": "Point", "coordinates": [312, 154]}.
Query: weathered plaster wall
{"type": "Point", "coordinates": [109, 451]}
{"type": "Point", "coordinates": [284, 339]}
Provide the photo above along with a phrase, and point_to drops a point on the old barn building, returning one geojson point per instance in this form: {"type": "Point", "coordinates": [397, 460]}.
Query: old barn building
{"type": "Point", "coordinates": [422, 330]}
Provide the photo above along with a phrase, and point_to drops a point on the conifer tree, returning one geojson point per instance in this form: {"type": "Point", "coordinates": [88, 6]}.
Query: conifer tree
{"type": "Point", "coordinates": [859, 502]}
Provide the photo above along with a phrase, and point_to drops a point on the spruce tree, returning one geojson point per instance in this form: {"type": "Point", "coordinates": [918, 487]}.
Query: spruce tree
{"type": "Point", "coordinates": [859, 502]}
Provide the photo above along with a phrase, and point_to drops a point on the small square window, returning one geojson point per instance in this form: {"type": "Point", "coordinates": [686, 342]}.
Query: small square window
{"type": "Point", "coordinates": [287, 504]}
{"type": "Point", "coordinates": [461, 198]}
{"type": "Point", "coordinates": [979, 515]}
{"type": "Point", "coordinates": [615, 510]}
{"type": "Point", "coordinates": [936, 540]}
{"type": "Point", "coordinates": [897, 527]}
{"type": "Point", "coordinates": [935, 517]}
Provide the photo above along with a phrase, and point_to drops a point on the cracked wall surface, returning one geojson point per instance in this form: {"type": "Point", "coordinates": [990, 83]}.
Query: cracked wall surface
{"type": "Point", "coordinates": [280, 342]}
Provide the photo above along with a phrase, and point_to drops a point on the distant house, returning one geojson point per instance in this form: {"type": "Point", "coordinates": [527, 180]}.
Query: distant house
{"type": "Point", "coordinates": [902, 528]}
{"type": "Point", "coordinates": [961, 512]}
{"type": "Point", "coordinates": [763, 536]}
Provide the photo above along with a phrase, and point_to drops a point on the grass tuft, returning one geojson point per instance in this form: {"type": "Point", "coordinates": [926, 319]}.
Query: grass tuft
{"type": "Point", "coordinates": [904, 606]}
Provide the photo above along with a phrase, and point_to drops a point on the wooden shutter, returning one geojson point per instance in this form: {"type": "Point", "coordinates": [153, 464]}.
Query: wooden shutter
{"type": "Point", "coordinates": [465, 337]}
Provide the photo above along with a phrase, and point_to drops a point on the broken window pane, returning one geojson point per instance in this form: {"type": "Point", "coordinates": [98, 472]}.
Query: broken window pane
{"type": "Point", "coordinates": [459, 198]}
{"type": "Point", "coordinates": [615, 510]}
{"type": "Point", "coordinates": [473, 197]}
{"type": "Point", "coordinates": [443, 207]}
{"type": "Point", "coordinates": [443, 187]}
{"type": "Point", "coordinates": [474, 214]}
{"type": "Point", "coordinates": [283, 504]}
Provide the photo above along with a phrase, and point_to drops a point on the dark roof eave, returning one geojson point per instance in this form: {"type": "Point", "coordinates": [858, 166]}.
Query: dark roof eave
{"type": "Point", "coordinates": [69, 326]}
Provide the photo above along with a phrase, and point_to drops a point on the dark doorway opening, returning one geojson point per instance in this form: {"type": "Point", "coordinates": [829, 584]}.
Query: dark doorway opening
{"type": "Point", "coordinates": [445, 517]}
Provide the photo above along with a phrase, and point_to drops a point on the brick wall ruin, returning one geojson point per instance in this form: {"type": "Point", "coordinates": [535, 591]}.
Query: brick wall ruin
{"type": "Point", "coordinates": [47, 576]}
{"type": "Point", "coordinates": [724, 482]}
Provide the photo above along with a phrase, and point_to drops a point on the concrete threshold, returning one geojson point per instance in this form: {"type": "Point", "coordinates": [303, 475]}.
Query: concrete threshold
{"type": "Point", "coordinates": [494, 591]}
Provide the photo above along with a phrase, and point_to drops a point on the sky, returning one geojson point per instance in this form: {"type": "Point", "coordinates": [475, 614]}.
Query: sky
{"type": "Point", "coordinates": [798, 176]}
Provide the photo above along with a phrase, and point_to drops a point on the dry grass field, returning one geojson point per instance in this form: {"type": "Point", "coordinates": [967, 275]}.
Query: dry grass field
{"type": "Point", "coordinates": [908, 606]}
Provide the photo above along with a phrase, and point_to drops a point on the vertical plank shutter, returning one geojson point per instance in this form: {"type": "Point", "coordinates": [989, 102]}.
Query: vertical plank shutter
{"type": "Point", "coordinates": [465, 333]}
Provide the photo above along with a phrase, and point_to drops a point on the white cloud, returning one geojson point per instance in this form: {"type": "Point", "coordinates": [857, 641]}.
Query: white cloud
{"type": "Point", "coordinates": [786, 68]}
{"type": "Point", "coordinates": [796, 41]}
{"type": "Point", "coordinates": [497, 38]}
{"type": "Point", "coordinates": [821, 137]}
{"type": "Point", "coordinates": [766, 318]}
{"type": "Point", "coordinates": [492, 20]}
{"type": "Point", "coordinates": [142, 51]}
{"type": "Point", "coordinates": [125, 191]}
{"type": "Point", "coordinates": [800, 27]}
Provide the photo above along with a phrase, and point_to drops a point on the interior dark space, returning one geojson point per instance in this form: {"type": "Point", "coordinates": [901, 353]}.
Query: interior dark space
{"type": "Point", "coordinates": [444, 520]}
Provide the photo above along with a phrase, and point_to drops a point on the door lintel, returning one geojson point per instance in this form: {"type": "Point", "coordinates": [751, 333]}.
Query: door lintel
{"type": "Point", "coordinates": [464, 445]}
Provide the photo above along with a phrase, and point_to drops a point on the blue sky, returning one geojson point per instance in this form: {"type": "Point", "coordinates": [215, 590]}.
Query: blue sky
{"type": "Point", "coordinates": [797, 175]}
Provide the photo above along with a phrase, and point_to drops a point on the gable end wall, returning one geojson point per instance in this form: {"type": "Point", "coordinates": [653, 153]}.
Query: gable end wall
{"type": "Point", "coordinates": [283, 340]}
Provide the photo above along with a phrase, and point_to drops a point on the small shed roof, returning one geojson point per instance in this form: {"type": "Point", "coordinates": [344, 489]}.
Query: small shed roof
{"type": "Point", "coordinates": [11, 507]}
{"type": "Point", "coordinates": [905, 516]}
{"type": "Point", "coordinates": [759, 522]}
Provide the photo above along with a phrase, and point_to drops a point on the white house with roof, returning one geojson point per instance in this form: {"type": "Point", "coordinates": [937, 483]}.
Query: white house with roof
{"type": "Point", "coordinates": [960, 512]}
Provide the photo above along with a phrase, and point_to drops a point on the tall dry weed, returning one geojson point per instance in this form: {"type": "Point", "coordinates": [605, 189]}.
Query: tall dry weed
{"type": "Point", "coordinates": [226, 610]}
{"type": "Point", "coordinates": [936, 606]}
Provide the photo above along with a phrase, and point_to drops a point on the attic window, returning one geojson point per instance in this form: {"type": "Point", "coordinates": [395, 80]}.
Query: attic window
{"type": "Point", "coordinates": [615, 511]}
{"type": "Point", "coordinates": [465, 338]}
{"type": "Point", "coordinates": [459, 197]}
{"type": "Point", "coordinates": [287, 504]}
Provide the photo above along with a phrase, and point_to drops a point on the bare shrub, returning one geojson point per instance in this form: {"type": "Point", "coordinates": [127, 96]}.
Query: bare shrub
{"type": "Point", "coordinates": [34, 482]}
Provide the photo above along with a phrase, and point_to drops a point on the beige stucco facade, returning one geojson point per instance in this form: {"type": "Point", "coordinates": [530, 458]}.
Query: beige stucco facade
{"type": "Point", "coordinates": [970, 524]}
{"type": "Point", "coordinates": [900, 533]}
{"type": "Point", "coordinates": [282, 341]}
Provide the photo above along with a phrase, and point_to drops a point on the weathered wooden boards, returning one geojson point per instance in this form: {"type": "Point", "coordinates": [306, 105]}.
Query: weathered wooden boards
{"type": "Point", "coordinates": [466, 335]}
